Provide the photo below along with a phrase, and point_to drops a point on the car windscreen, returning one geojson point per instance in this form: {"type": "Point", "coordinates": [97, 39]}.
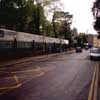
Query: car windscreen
{"type": "Point", "coordinates": [95, 50]}
{"type": "Point", "coordinates": [79, 47]}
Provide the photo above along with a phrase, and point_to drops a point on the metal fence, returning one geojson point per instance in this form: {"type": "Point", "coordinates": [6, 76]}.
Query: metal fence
{"type": "Point", "coordinates": [12, 44]}
{"type": "Point", "coordinates": [49, 47]}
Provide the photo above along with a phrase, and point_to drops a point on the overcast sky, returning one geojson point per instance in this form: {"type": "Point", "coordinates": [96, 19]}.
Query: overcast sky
{"type": "Point", "coordinates": [81, 10]}
{"type": "Point", "coordinates": [82, 15]}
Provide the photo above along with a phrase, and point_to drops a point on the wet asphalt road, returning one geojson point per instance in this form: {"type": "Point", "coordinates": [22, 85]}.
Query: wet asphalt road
{"type": "Point", "coordinates": [59, 77]}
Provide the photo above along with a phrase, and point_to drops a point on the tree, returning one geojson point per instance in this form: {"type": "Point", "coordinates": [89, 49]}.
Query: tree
{"type": "Point", "coordinates": [22, 14]}
{"type": "Point", "coordinates": [96, 11]}
{"type": "Point", "coordinates": [81, 39]}
{"type": "Point", "coordinates": [26, 16]}
{"type": "Point", "coordinates": [61, 23]}
{"type": "Point", "coordinates": [7, 13]}
{"type": "Point", "coordinates": [12, 13]}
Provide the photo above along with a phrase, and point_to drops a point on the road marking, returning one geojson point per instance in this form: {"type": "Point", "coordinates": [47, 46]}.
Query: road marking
{"type": "Point", "coordinates": [94, 84]}
{"type": "Point", "coordinates": [35, 72]}
{"type": "Point", "coordinates": [30, 70]}
{"type": "Point", "coordinates": [30, 75]}
{"type": "Point", "coordinates": [8, 88]}
{"type": "Point", "coordinates": [11, 87]}
{"type": "Point", "coordinates": [16, 78]}
{"type": "Point", "coordinates": [18, 84]}
{"type": "Point", "coordinates": [41, 74]}
{"type": "Point", "coordinates": [22, 71]}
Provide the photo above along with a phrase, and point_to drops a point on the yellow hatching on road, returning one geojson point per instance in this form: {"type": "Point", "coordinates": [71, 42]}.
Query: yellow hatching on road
{"type": "Point", "coordinates": [8, 88]}
{"type": "Point", "coordinates": [18, 84]}
{"type": "Point", "coordinates": [94, 84]}
{"type": "Point", "coordinates": [16, 78]}
{"type": "Point", "coordinates": [25, 71]}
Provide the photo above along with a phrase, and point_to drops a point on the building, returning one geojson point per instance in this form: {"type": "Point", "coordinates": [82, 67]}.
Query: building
{"type": "Point", "coordinates": [96, 42]}
{"type": "Point", "coordinates": [90, 40]}
{"type": "Point", "coordinates": [93, 41]}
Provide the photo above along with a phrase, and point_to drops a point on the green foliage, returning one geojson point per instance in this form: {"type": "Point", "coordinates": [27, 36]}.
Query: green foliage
{"type": "Point", "coordinates": [22, 15]}
{"type": "Point", "coordinates": [61, 23]}
{"type": "Point", "coordinates": [81, 39]}
{"type": "Point", "coordinates": [7, 13]}
{"type": "Point", "coordinates": [96, 11]}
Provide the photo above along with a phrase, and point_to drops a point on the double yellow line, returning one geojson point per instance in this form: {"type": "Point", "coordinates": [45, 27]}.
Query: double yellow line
{"type": "Point", "coordinates": [93, 92]}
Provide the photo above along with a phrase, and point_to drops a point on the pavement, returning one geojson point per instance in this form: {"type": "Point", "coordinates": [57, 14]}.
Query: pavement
{"type": "Point", "coordinates": [27, 59]}
{"type": "Point", "coordinates": [64, 76]}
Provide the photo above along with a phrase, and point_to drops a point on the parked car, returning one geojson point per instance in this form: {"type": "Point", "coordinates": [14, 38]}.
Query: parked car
{"type": "Point", "coordinates": [78, 49]}
{"type": "Point", "coordinates": [86, 47]}
{"type": "Point", "coordinates": [95, 53]}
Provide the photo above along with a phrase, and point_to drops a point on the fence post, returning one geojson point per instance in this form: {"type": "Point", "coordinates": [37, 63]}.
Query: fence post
{"type": "Point", "coordinates": [54, 47]}
{"type": "Point", "coordinates": [33, 44]}
{"type": "Point", "coordinates": [15, 43]}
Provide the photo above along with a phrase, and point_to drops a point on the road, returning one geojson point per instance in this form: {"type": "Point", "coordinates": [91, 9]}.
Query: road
{"type": "Point", "coordinates": [65, 76]}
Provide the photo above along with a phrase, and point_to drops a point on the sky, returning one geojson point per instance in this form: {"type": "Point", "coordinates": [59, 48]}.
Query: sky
{"type": "Point", "coordinates": [82, 14]}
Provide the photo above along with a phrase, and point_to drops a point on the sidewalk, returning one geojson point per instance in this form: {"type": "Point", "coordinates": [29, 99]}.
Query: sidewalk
{"type": "Point", "coordinates": [27, 59]}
